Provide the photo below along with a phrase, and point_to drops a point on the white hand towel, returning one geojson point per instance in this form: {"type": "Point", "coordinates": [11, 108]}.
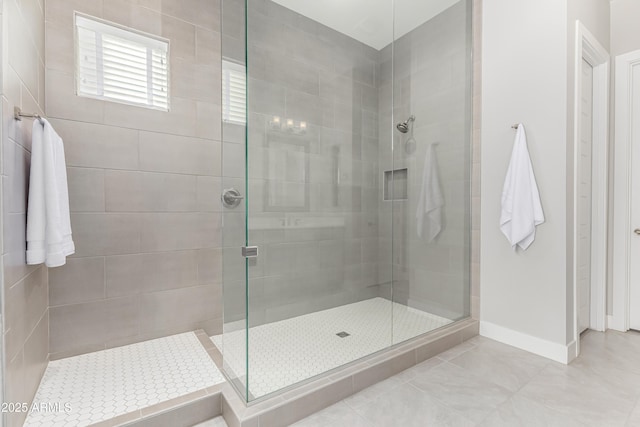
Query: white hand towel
{"type": "Point", "coordinates": [48, 221]}
{"type": "Point", "coordinates": [430, 200]}
{"type": "Point", "coordinates": [521, 206]}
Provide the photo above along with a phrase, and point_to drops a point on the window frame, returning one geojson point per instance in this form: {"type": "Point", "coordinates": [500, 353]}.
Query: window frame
{"type": "Point", "coordinates": [135, 36]}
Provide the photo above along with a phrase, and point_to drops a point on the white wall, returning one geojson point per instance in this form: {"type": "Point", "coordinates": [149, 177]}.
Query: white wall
{"type": "Point", "coordinates": [527, 297]}
{"type": "Point", "coordinates": [625, 33]}
{"type": "Point", "coordinates": [524, 80]}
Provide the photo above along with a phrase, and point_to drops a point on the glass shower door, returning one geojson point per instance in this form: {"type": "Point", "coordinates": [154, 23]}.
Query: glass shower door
{"type": "Point", "coordinates": [314, 299]}
{"type": "Point", "coordinates": [342, 122]}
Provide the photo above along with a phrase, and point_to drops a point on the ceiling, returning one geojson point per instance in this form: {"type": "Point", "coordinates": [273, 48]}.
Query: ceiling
{"type": "Point", "coordinates": [370, 21]}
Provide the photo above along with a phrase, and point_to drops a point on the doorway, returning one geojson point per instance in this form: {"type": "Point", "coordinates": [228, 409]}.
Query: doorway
{"type": "Point", "coordinates": [626, 239]}
{"type": "Point", "coordinates": [590, 182]}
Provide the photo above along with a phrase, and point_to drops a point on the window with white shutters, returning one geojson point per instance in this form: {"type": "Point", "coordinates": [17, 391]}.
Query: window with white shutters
{"type": "Point", "coordinates": [234, 93]}
{"type": "Point", "coordinates": [121, 65]}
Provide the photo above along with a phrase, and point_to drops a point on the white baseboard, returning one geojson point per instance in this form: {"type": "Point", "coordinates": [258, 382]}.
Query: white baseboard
{"type": "Point", "coordinates": [554, 351]}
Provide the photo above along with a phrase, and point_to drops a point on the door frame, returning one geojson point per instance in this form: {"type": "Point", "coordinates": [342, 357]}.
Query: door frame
{"type": "Point", "coordinates": [589, 49]}
{"type": "Point", "coordinates": [625, 64]}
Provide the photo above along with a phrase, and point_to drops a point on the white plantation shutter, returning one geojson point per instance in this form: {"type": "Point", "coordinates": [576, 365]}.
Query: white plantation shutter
{"type": "Point", "coordinates": [120, 65]}
{"type": "Point", "coordinates": [234, 93]}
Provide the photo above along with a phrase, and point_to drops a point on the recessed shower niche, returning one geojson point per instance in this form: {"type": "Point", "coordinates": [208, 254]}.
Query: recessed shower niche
{"type": "Point", "coordinates": [395, 185]}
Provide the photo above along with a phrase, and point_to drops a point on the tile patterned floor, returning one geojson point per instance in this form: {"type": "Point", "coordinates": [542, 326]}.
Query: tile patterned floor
{"type": "Point", "coordinates": [108, 383]}
{"type": "Point", "coordinates": [488, 384]}
{"type": "Point", "coordinates": [286, 352]}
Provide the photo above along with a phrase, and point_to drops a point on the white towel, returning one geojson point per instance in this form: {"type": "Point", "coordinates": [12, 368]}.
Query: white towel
{"type": "Point", "coordinates": [430, 200]}
{"type": "Point", "coordinates": [48, 222]}
{"type": "Point", "coordinates": [521, 207]}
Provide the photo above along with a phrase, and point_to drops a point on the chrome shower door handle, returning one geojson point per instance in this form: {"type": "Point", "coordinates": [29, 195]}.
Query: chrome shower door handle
{"type": "Point", "coordinates": [231, 198]}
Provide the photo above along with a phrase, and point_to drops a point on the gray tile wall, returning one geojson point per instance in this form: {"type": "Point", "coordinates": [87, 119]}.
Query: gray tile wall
{"type": "Point", "coordinates": [320, 255]}
{"type": "Point", "coordinates": [150, 242]}
{"type": "Point", "coordinates": [25, 288]}
{"type": "Point", "coordinates": [144, 186]}
{"type": "Point", "coordinates": [431, 80]}
{"type": "Point", "coordinates": [302, 70]}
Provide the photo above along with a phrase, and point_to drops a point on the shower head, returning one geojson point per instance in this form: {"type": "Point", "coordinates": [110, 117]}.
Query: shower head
{"type": "Point", "coordinates": [404, 126]}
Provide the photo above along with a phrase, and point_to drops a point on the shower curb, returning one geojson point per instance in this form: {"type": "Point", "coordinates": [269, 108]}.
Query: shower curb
{"type": "Point", "coordinates": [301, 401]}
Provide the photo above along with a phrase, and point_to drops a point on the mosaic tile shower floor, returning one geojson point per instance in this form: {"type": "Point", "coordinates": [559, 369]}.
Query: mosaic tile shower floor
{"type": "Point", "coordinates": [102, 385]}
{"type": "Point", "coordinates": [292, 350]}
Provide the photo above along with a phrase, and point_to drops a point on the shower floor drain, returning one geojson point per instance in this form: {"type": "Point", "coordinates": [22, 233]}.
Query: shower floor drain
{"type": "Point", "coordinates": [342, 334]}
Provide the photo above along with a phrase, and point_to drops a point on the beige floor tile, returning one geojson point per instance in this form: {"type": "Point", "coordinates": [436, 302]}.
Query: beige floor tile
{"type": "Point", "coordinates": [521, 412]}
{"type": "Point", "coordinates": [472, 396]}
{"type": "Point", "coordinates": [634, 417]}
{"type": "Point", "coordinates": [579, 394]}
{"type": "Point", "coordinates": [506, 366]}
{"type": "Point", "coordinates": [477, 383]}
{"type": "Point", "coordinates": [610, 374]}
{"type": "Point", "coordinates": [351, 420]}
{"type": "Point", "coordinates": [327, 416]}
{"type": "Point", "coordinates": [408, 406]}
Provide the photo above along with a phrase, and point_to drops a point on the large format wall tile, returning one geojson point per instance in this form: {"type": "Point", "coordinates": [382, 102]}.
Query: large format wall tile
{"type": "Point", "coordinates": [81, 280]}
{"type": "Point", "coordinates": [144, 185]}
{"type": "Point", "coordinates": [186, 306]}
{"type": "Point", "coordinates": [98, 146]}
{"type": "Point", "coordinates": [106, 234]}
{"type": "Point", "coordinates": [60, 85]}
{"type": "Point", "coordinates": [23, 55]}
{"type": "Point", "coordinates": [310, 257]}
{"type": "Point", "coordinates": [171, 231]}
{"type": "Point", "coordinates": [93, 323]}
{"type": "Point", "coordinates": [129, 191]}
{"type": "Point", "coordinates": [142, 273]}
{"type": "Point", "coordinates": [25, 288]}
{"type": "Point", "coordinates": [155, 217]}
{"type": "Point", "coordinates": [180, 119]}
{"type": "Point", "coordinates": [427, 75]}
{"type": "Point", "coordinates": [169, 153]}
{"type": "Point", "coordinates": [36, 353]}
{"type": "Point", "coordinates": [61, 11]}
{"type": "Point", "coordinates": [88, 186]}
{"type": "Point", "coordinates": [134, 15]}
{"type": "Point", "coordinates": [28, 300]}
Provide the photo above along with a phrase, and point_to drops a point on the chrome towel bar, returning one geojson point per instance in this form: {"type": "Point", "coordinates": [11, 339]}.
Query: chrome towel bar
{"type": "Point", "coordinates": [19, 115]}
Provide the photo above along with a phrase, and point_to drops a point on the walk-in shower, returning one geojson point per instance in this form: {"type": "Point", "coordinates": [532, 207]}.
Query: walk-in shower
{"type": "Point", "coordinates": [338, 243]}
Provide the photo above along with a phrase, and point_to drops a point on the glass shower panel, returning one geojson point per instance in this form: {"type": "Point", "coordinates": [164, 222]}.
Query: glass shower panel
{"type": "Point", "coordinates": [431, 85]}
{"type": "Point", "coordinates": [314, 298]}
{"type": "Point", "coordinates": [342, 121]}
{"type": "Point", "coordinates": [233, 341]}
